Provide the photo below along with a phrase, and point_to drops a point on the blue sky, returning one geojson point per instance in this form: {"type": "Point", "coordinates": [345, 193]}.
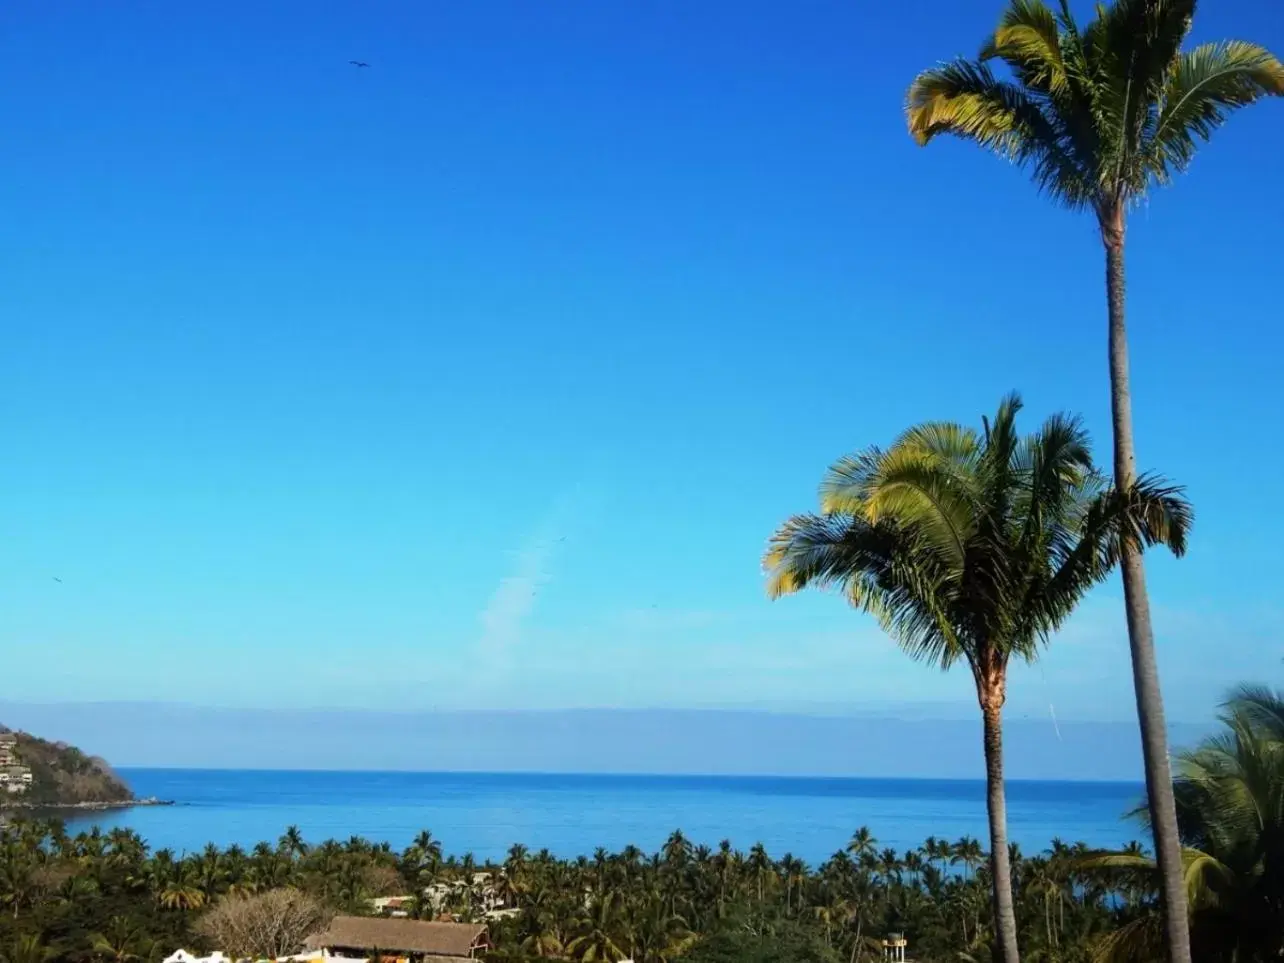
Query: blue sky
{"type": "Point", "coordinates": [478, 378]}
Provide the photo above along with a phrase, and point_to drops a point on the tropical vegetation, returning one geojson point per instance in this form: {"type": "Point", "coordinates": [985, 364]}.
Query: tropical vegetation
{"type": "Point", "coordinates": [973, 547]}
{"type": "Point", "coordinates": [1230, 809]}
{"type": "Point", "coordinates": [98, 896]}
{"type": "Point", "coordinates": [1099, 114]}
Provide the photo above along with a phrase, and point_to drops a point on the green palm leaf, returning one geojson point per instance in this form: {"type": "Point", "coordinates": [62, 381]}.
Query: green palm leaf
{"type": "Point", "coordinates": [1202, 88]}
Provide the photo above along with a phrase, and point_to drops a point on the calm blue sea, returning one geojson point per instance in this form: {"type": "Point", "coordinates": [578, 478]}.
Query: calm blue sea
{"type": "Point", "coordinates": [574, 814]}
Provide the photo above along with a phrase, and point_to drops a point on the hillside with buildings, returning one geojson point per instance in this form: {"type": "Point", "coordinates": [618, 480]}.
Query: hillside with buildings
{"type": "Point", "coordinates": [36, 772]}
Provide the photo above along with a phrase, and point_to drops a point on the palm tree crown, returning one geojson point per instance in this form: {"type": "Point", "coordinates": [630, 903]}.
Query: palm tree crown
{"type": "Point", "coordinates": [968, 545]}
{"type": "Point", "coordinates": [1098, 113]}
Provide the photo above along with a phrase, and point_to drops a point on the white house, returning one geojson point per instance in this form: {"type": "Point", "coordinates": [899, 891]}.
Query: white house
{"type": "Point", "coordinates": [182, 956]}
{"type": "Point", "coordinates": [15, 778]}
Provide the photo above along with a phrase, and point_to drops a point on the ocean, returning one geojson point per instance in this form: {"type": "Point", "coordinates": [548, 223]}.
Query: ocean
{"type": "Point", "coordinates": [574, 814]}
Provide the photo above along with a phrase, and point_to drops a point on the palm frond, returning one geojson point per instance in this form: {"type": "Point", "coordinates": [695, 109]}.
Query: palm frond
{"type": "Point", "coordinates": [1261, 708]}
{"type": "Point", "coordinates": [826, 550]}
{"type": "Point", "coordinates": [1204, 874]}
{"type": "Point", "coordinates": [1028, 39]}
{"type": "Point", "coordinates": [1104, 859]}
{"type": "Point", "coordinates": [965, 99]}
{"type": "Point", "coordinates": [1137, 941]}
{"type": "Point", "coordinates": [929, 493]}
{"type": "Point", "coordinates": [1153, 512]}
{"type": "Point", "coordinates": [854, 480]}
{"type": "Point", "coordinates": [882, 569]}
{"type": "Point", "coordinates": [1203, 86]}
{"type": "Point", "coordinates": [845, 488]}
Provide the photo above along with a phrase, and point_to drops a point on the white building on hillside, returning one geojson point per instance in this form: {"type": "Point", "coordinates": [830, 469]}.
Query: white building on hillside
{"type": "Point", "coordinates": [15, 779]}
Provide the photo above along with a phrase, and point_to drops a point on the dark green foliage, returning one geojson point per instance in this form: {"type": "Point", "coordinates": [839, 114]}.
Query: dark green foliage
{"type": "Point", "coordinates": [76, 897]}
{"type": "Point", "coordinates": [783, 942]}
{"type": "Point", "coordinates": [1230, 807]}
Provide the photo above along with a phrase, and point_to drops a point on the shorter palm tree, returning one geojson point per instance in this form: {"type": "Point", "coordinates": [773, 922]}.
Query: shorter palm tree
{"type": "Point", "coordinates": [974, 547]}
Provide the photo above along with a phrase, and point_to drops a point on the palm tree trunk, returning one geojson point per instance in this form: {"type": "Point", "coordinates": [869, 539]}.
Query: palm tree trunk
{"type": "Point", "coordinates": [1005, 930]}
{"type": "Point", "coordinates": [1141, 640]}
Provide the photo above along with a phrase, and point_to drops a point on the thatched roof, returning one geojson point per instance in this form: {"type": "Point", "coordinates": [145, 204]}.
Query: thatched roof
{"type": "Point", "coordinates": [400, 935]}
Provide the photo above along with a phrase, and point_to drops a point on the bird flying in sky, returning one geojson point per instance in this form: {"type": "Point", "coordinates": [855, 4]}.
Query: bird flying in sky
{"type": "Point", "coordinates": [358, 63]}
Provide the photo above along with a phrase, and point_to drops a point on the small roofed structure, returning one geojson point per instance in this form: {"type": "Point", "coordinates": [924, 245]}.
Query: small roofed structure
{"type": "Point", "coordinates": [418, 939]}
{"type": "Point", "coordinates": [894, 947]}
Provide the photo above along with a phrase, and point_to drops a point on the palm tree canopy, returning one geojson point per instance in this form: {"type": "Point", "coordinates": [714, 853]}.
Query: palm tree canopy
{"type": "Point", "coordinates": [1097, 113]}
{"type": "Point", "coordinates": [971, 545]}
{"type": "Point", "coordinates": [1230, 809]}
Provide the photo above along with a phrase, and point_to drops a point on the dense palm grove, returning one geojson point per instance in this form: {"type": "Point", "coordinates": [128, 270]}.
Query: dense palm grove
{"type": "Point", "coordinates": [105, 896]}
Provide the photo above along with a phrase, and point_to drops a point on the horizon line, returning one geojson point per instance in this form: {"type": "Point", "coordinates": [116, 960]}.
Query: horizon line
{"type": "Point", "coordinates": [959, 712]}
{"type": "Point", "coordinates": [623, 775]}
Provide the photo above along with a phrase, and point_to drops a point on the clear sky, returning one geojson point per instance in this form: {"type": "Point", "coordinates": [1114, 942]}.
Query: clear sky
{"type": "Point", "coordinates": [479, 377]}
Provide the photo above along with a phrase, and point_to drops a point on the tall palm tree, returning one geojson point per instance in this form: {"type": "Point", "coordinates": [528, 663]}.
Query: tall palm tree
{"type": "Point", "coordinates": [1099, 114]}
{"type": "Point", "coordinates": [973, 547]}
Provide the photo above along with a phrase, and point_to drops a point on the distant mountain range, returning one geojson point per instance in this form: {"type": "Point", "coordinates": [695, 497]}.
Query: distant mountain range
{"type": "Point", "coordinates": [60, 775]}
{"type": "Point", "coordinates": [675, 741]}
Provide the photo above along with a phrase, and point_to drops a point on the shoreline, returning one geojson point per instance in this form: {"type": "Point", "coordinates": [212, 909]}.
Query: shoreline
{"type": "Point", "coordinates": [96, 806]}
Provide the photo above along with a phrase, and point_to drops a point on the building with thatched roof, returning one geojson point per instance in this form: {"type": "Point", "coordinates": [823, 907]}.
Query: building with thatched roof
{"type": "Point", "coordinates": [418, 939]}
